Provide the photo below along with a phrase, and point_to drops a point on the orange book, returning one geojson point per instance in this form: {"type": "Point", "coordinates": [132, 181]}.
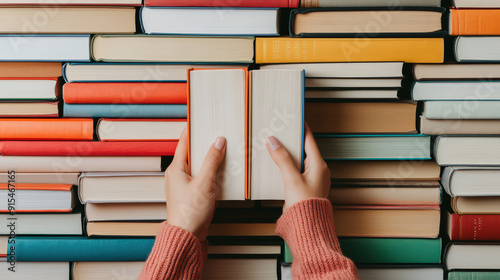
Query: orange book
{"type": "Point", "coordinates": [474, 22]}
{"type": "Point", "coordinates": [30, 69]}
{"type": "Point", "coordinates": [302, 50]}
{"type": "Point", "coordinates": [46, 129]}
{"type": "Point", "coordinates": [125, 93]}
{"type": "Point", "coordinates": [37, 197]}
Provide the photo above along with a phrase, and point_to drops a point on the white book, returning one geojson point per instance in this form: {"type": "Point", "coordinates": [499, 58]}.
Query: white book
{"type": "Point", "coordinates": [345, 69]}
{"type": "Point", "coordinates": [30, 89]}
{"type": "Point", "coordinates": [477, 48]}
{"type": "Point", "coordinates": [59, 164]}
{"type": "Point", "coordinates": [137, 72]}
{"type": "Point", "coordinates": [44, 224]}
{"type": "Point", "coordinates": [218, 100]}
{"type": "Point", "coordinates": [484, 151]}
{"type": "Point", "coordinates": [471, 181]}
{"type": "Point", "coordinates": [44, 48]}
{"type": "Point", "coordinates": [476, 3]}
{"type": "Point", "coordinates": [442, 90]}
{"type": "Point", "coordinates": [210, 21]}
{"type": "Point", "coordinates": [472, 256]}
{"type": "Point", "coordinates": [352, 83]}
{"type": "Point", "coordinates": [36, 271]}
{"type": "Point", "coordinates": [106, 187]}
{"type": "Point", "coordinates": [37, 200]}
{"type": "Point", "coordinates": [277, 102]}
{"type": "Point", "coordinates": [353, 94]}
{"type": "Point", "coordinates": [134, 211]}
{"type": "Point", "coordinates": [115, 130]}
{"type": "Point", "coordinates": [461, 110]}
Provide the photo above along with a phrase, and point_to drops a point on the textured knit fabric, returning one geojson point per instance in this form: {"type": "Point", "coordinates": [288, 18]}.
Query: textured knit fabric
{"type": "Point", "coordinates": [308, 229]}
{"type": "Point", "coordinates": [176, 254]}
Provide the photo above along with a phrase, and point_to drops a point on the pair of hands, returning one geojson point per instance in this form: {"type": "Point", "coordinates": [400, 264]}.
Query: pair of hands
{"type": "Point", "coordinates": [191, 201]}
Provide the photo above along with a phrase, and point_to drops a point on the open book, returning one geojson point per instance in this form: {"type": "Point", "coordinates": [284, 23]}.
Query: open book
{"type": "Point", "coordinates": [223, 102]}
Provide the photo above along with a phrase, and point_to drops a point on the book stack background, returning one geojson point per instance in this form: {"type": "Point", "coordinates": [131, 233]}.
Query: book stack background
{"type": "Point", "coordinates": [94, 98]}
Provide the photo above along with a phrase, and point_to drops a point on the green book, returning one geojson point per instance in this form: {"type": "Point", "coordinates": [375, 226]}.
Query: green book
{"type": "Point", "coordinates": [387, 250]}
{"type": "Point", "coordinates": [473, 275]}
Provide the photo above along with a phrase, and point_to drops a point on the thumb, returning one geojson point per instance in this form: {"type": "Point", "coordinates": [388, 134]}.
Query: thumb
{"type": "Point", "coordinates": [282, 158]}
{"type": "Point", "coordinates": [213, 159]}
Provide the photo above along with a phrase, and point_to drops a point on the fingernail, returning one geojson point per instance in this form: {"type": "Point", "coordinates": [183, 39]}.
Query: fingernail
{"type": "Point", "coordinates": [273, 143]}
{"type": "Point", "coordinates": [220, 142]}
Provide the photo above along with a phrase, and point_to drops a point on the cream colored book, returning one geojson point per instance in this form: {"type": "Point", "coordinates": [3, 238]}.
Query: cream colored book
{"type": "Point", "coordinates": [158, 48]}
{"type": "Point", "coordinates": [136, 211]}
{"type": "Point", "coordinates": [43, 178]}
{"type": "Point", "coordinates": [217, 269]}
{"type": "Point", "coordinates": [31, 109]}
{"type": "Point", "coordinates": [60, 164]}
{"type": "Point", "coordinates": [116, 130]}
{"type": "Point", "coordinates": [67, 20]}
{"type": "Point", "coordinates": [102, 187]}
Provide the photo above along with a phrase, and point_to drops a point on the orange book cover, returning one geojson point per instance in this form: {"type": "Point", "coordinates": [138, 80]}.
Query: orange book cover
{"type": "Point", "coordinates": [36, 187]}
{"type": "Point", "coordinates": [125, 93]}
{"type": "Point", "coordinates": [46, 129]}
{"type": "Point", "coordinates": [474, 22]}
{"type": "Point", "coordinates": [30, 69]}
{"type": "Point", "coordinates": [246, 122]}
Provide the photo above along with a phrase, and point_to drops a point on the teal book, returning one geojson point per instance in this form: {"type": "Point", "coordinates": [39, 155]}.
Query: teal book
{"type": "Point", "coordinates": [375, 147]}
{"type": "Point", "coordinates": [387, 250]}
{"type": "Point", "coordinates": [160, 111]}
{"type": "Point", "coordinates": [473, 275]}
{"type": "Point", "coordinates": [70, 249]}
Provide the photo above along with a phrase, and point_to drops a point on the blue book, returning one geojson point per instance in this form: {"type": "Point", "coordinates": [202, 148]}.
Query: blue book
{"type": "Point", "coordinates": [69, 249]}
{"type": "Point", "coordinates": [160, 111]}
{"type": "Point", "coordinates": [44, 48]}
{"type": "Point", "coordinates": [375, 147]}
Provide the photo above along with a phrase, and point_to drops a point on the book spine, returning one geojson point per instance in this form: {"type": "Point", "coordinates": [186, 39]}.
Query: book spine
{"type": "Point", "coordinates": [125, 93]}
{"type": "Point", "coordinates": [475, 227]}
{"type": "Point", "coordinates": [302, 50]}
{"type": "Point", "coordinates": [125, 111]}
{"type": "Point", "coordinates": [85, 148]}
{"type": "Point", "coordinates": [474, 22]}
{"type": "Point", "coordinates": [46, 129]}
{"type": "Point", "coordinates": [222, 3]}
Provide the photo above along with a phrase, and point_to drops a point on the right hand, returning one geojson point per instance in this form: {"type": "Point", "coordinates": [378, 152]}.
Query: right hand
{"type": "Point", "coordinates": [315, 182]}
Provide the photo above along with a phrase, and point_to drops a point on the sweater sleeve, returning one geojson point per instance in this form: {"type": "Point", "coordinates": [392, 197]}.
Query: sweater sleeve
{"type": "Point", "coordinates": [176, 254]}
{"type": "Point", "coordinates": [308, 229]}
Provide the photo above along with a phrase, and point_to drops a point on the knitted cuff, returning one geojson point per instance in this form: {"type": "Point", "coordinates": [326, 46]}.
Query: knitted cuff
{"type": "Point", "coordinates": [176, 254]}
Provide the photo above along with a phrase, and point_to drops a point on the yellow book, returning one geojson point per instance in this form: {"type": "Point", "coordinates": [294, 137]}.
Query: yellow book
{"type": "Point", "coordinates": [294, 50]}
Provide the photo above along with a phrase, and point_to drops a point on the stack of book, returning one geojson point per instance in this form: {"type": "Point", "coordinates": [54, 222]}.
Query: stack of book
{"type": "Point", "coordinates": [460, 105]}
{"type": "Point", "coordinates": [385, 189]}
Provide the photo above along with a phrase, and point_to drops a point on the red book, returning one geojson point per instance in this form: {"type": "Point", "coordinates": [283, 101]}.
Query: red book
{"type": "Point", "coordinates": [87, 148]}
{"type": "Point", "coordinates": [224, 3]}
{"type": "Point", "coordinates": [125, 93]}
{"type": "Point", "coordinates": [474, 227]}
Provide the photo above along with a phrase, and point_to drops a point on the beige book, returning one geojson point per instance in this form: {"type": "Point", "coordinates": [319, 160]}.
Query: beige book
{"type": "Point", "coordinates": [476, 205]}
{"type": "Point", "coordinates": [139, 48]}
{"type": "Point", "coordinates": [459, 127]}
{"type": "Point", "coordinates": [367, 194]}
{"type": "Point", "coordinates": [108, 129]}
{"type": "Point", "coordinates": [352, 83]}
{"type": "Point", "coordinates": [353, 94]}
{"type": "Point", "coordinates": [219, 269]}
{"type": "Point", "coordinates": [372, 3]}
{"type": "Point", "coordinates": [43, 178]}
{"type": "Point", "coordinates": [362, 117]}
{"type": "Point", "coordinates": [60, 164]}
{"type": "Point", "coordinates": [122, 187]}
{"type": "Point", "coordinates": [419, 223]}
{"type": "Point", "coordinates": [384, 170]}
{"type": "Point", "coordinates": [218, 100]}
{"type": "Point", "coordinates": [95, 212]}
{"type": "Point", "coordinates": [456, 71]}
{"type": "Point", "coordinates": [29, 109]}
{"type": "Point", "coordinates": [276, 110]}
{"type": "Point", "coordinates": [352, 22]}
{"type": "Point", "coordinates": [64, 20]}
{"type": "Point", "coordinates": [151, 229]}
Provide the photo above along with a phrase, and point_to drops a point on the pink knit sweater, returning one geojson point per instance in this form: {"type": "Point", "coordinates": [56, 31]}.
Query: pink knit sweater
{"type": "Point", "coordinates": [307, 227]}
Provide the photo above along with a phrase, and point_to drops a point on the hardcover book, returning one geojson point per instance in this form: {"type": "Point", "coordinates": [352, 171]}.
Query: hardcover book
{"type": "Point", "coordinates": [141, 130]}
